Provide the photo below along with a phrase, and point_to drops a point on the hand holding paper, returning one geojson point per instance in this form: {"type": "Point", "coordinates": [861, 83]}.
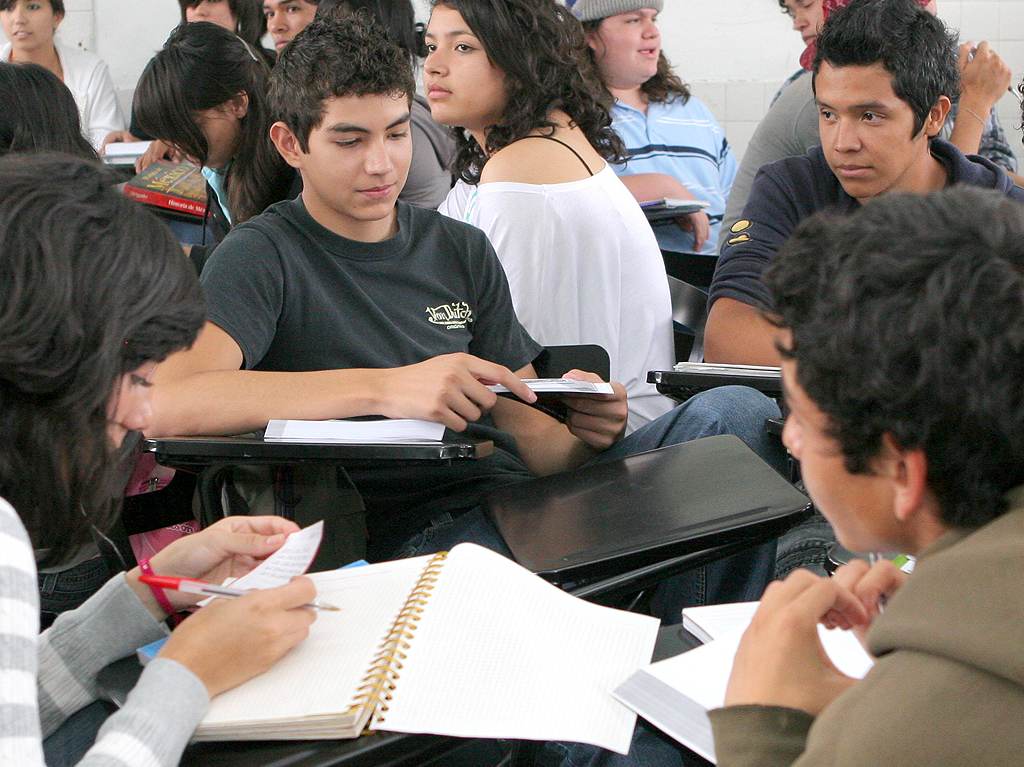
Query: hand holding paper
{"type": "Point", "coordinates": [781, 661]}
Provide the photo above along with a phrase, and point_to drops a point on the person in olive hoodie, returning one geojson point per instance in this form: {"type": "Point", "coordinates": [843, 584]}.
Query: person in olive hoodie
{"type": "Point", "coordinates": [901, 329]}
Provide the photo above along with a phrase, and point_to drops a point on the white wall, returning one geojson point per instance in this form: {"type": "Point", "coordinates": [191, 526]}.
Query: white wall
{"type": "Point", "coordinates": [734, 53]}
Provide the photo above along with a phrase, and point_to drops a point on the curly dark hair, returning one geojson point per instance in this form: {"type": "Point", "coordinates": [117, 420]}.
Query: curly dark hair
{"type": "Point", "coordinates": [339, 54]}
{"type": "Point", "coordinates": [91, 287]}
{"type": "Point", "coordinates": [664, 86]}
{"type": "Point", "coordinates": [397, 16]}
{"type": "Point", "coordinates": [539, 46]}
{"type": "Point", "coordinates": [913, 45]}
{"type": "Point", "coordinates": [907, 319]}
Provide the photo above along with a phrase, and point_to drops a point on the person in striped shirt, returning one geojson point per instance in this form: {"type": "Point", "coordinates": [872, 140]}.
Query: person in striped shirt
{"type": "Point", "coordinates": [675, 147]}
{"type": "Point", "coordinates": [94, 292]}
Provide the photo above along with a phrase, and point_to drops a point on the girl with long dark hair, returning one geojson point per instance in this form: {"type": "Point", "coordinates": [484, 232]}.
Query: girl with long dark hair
{"type": "Point", "coordinates": [534, 142]}
{"type": "Point", "coordinates": [30, 26]}
{"type": "Point", "coordinates": [94, 293]}
{"type": "Point", "coordinates": [37, 113]}
{"type": "Point", "coordinates": [204, 94]}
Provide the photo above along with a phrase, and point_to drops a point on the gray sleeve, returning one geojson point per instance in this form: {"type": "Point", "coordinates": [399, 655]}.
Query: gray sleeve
{"type": "Point", "coordinates": [243, 284]}
{"type": "Point", "coordinates": [110, 625]}
{"type": "Point", "coordinates": [51, 675]}
{"type": "Point", "coordinates": [429, 181]}
{"type": "Point", "coordinates": [159, 717]}
{"type": "Point", "coordinates": [789, 129]}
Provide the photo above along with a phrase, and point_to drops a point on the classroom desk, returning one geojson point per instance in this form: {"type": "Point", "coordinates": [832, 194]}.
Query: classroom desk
{"type": "Point", "coordinates": [680, 385]}
{"type": "Point", "coordinates": [211, 454]}
{"type": "Point", "coordinates": [380, 749]}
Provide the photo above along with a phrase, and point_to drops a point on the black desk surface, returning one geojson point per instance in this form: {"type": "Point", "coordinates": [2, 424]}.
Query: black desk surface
{"type": "Point", "coordinates": [673, 382]}
{"type": "Point", "coordinates": [701, 494]}
{"type": "Point", "coordinates": [380, 749]}
{"type": "Point", "coordinates": [204, 451]}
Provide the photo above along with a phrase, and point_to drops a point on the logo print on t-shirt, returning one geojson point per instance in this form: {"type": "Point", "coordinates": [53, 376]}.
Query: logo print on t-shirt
{"type": "Point", "coordinates": [454, 316]}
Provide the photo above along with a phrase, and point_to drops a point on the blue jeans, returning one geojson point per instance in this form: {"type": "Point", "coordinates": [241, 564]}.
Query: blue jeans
{"type": "Point", "coordinates": [735, 410]}
{"type": "Point", "coordinates": [67, 589]}
{"type": "Point", "coordinates": [69, 742]}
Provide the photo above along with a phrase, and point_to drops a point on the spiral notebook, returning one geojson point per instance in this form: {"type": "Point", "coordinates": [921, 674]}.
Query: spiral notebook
{"type": "Point", "coordinates": [466, 643]}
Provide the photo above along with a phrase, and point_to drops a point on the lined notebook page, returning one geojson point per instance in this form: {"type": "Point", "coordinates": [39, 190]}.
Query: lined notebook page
{"type": "Point", "coordinates": [320, 676]}
{"type": "Point", "coordinates": [541, 667]}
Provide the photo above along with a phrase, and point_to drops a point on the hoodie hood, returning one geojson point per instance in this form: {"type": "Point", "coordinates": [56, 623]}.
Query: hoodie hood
{"type": "Point", "coordinates": [971, 584]}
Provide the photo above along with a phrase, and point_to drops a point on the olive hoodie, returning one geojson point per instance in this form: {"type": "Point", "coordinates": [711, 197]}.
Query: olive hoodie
{"type": "Point", "coordinates": [948, 687]}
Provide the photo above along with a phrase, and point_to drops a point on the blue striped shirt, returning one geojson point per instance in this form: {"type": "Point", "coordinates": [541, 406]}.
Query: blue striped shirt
{"type": "Point", "coordinates": [683, 141]}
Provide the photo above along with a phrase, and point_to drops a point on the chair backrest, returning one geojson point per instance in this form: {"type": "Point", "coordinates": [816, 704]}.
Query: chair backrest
{"type": "Point", "coordinates": [556, 361]}
{"type": "Point", "coordinates": [689, 315]}
{"type": "Point", "coordinates": [695, 268]}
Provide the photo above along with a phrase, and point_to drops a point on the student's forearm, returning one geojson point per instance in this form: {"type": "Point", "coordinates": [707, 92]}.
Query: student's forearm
{"type": "Point", "coordinates": [238, 401]}
{"type": "Point", "coordinates": [545, 445]}
{"type": "Point", "coordinates": [654, 186]}
{"type": "Point", "coordinates": [739, 334]}
{"type": "Point", "coordinates": [969, 126]}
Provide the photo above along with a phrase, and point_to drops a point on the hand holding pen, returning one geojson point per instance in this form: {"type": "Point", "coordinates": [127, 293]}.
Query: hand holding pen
{"type": "Point", "coordinates": [193, 586]}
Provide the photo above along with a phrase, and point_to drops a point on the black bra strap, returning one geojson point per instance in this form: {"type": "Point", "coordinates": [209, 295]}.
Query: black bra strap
{"type": "Point", "coordinates": [559, 141]}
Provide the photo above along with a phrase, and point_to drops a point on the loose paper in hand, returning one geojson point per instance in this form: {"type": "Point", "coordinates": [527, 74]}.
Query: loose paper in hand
{"type": "Point", "coordinates": [567, 386]}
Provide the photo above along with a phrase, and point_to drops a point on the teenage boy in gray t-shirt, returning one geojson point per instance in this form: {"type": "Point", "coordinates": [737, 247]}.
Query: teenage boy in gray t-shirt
{"type": "Point", "coordinates": [343, 303]}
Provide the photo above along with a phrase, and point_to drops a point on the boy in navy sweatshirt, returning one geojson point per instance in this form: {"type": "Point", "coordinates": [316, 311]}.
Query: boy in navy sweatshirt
{"type": "Point", "coordinates": [884, 75]}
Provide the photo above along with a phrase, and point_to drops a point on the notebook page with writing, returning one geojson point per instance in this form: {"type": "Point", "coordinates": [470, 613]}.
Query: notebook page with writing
{"type": "Point", "coordinates": [541, 666]}
{"type": "Point", "coordinates": [321, 675]}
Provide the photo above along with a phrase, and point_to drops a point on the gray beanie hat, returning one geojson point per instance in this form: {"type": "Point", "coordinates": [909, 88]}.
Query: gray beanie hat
{"type": "Point", "coordinates": [592, 10]}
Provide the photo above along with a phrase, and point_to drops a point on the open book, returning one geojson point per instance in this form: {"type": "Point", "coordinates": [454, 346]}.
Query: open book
{"type": "Point", "coordinates": [675, 694]}
{"type": "Point", "coordinates": [466, 643]}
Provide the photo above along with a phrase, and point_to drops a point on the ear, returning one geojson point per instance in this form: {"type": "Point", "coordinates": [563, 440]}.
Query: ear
{"type": "Point", "coordinates": [287, 145]}
{"type": "Point", "coordinates": [594, 41]}
{"type": "Point", "coordinates": [908, 471]}
{"type": "Point", "coordinates": [239, 105]}
{"type": "Point", "coordinates": [937, 116]}
{"type": "Point", "coordinates": [58, 18]}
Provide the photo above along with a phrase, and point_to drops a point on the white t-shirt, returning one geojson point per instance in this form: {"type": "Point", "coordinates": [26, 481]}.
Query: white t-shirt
{"type": "Point", "coordinates": [89, 81]}
{"type": "Point", "coordinates": [584, 268]}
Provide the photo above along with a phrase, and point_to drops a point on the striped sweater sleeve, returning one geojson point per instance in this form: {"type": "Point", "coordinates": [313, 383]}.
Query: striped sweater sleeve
{"type": "Point", "coordinates": [46, 678]}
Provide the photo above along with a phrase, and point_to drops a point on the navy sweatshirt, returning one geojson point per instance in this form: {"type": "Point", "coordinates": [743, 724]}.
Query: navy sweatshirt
{"type": "Point", "coordinates": [789, 190]}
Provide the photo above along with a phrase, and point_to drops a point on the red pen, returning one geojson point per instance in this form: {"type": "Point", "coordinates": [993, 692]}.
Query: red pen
{"type": "Point", "coordinates": [192, 586]}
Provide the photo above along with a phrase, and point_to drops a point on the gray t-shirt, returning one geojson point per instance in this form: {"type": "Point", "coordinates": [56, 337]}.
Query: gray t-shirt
{"type": "Point", "coordinates": [433, 149]}
{"type": "Point", "coordinates": [297, 297]}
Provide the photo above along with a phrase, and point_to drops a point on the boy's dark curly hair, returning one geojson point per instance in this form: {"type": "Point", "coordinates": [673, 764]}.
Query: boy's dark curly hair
{"type": "Point", "coordinates": [337, 55]}
{"type": "Point", "coordinates": [539, 46]}
{"type": "Point", "coordinates": [907, 319]}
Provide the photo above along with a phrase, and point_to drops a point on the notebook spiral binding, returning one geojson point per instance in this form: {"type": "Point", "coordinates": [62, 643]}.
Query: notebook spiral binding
{"type": "Point", "coordinates": [378, 686]}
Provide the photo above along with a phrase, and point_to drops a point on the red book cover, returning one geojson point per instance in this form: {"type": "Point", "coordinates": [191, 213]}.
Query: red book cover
{"type": "Point", "coordinates": [178, 187]}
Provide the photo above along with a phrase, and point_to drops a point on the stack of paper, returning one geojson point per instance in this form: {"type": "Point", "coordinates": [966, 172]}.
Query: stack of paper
{"type": "Point", "coordinates": [408, 431]}
{"type": "Point", "coordinates": [559, 386]}
{"type": "Point", "coordinates": [675, 694]}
